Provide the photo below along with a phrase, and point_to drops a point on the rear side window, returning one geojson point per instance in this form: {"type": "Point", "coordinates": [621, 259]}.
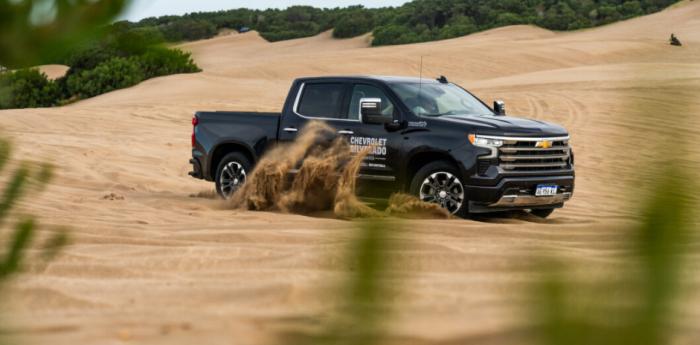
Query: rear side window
{"type": "Point", "coordinates": [321, 100]}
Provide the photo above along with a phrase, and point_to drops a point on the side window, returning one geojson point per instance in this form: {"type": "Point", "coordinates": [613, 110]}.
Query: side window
{"type": "Point", "coordinates": [361, 91]}
{"type": "Point", "coordinates": [321, 100]}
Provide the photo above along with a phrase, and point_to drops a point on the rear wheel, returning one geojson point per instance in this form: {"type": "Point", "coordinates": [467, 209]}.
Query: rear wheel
{"type": "Point", "coordinates": [232, 174]}
{"type": "Point", "coordinates": [542, 213]}
{"type": "Point", "coordinates": [439, 183]}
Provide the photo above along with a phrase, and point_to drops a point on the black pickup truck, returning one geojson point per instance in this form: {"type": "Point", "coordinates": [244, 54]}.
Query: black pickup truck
{"type": "Point", "coordinates": [433, 139]}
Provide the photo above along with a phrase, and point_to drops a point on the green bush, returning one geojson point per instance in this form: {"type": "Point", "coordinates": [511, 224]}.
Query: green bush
{"type": "Point", "coordinates": [125, 53]}
{"type": "Point", "coordinates": [27, 88]}
{"type": "Point", "coordinates": [153, 35]}
{"type": "Point", "coordinates": [129, 43]}
{"type": "Point", "coordinates": [355, 24]}
{"type": "Point", "coordinates": [160, 62]}
{"type": "Point", "coordinates": [188, 30]}
{"type": "Point", "coordinates": [423, 17]}
{"type": "Point", "coordinates": [506, 19]}
{"type": "Point", "coordinates": [115, 74]}
{"type": "Point", "coordinates": [631, 9]}
{"type": "Point", "coordinates": [119, 57]}
{"type": "Point", "coordinates": [385, 35]}
{"type": "Point", "coordinates": [87, 58]}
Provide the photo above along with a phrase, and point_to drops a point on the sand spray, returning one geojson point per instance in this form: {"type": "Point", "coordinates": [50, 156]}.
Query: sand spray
{"type": "Point", "coordinates": [317, 187]}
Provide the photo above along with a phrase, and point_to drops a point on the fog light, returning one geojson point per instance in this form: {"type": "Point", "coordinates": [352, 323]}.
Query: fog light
{"type": "Point", "coordinates": [508, 200]}
{"type": "Point", "coordinates": [567, 196]}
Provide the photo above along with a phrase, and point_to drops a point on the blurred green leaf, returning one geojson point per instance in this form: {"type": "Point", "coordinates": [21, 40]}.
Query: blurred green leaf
{"type": "Point", "coordinates": [23, 235]}
{"type": "Point", "coordinates": [634, 306]}
{"type": "Point", "coordinates": [16, 189]}
{"type": "Point", "coordinates": [5, 149]}
{"type": "Point", "coordinates": [13, 192]}
{"type": "Point", "coordinates": [45, 175]}
{"type": "Point", "coordinates": [55, 244]}
{"type": "Point", "coordinates": [32, 30]}
{"type": "Point", "coordinates": [363, 307]}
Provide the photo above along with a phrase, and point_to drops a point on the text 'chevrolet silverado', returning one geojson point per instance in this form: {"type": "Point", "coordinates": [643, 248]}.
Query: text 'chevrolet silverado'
{"type": "Point", "coordinates": [429, 138]}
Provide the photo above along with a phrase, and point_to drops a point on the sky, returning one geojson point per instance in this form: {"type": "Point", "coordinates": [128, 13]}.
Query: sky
{"type": "Point", "coordinates": [153, 8]}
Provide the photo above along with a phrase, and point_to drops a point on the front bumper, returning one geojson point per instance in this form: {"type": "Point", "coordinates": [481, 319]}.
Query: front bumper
{"type": "Point", "coordinates": [519, 194]}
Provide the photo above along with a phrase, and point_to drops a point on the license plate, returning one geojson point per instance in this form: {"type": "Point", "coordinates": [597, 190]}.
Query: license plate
{"type": "Point", "coordinates": [545, 190]}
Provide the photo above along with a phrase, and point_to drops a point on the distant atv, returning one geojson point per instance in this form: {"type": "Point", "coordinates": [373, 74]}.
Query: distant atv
{"type": "Point", "coordinates": [674, 41]}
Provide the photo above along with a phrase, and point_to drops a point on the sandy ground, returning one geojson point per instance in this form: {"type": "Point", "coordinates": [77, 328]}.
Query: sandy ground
{"type": "Point", "coordinates": [159, 267]}
{"type": "Point", "coordinates": [54, 71]}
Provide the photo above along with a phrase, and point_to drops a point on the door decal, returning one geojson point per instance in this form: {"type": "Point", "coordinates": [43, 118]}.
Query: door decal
{"type": "Point", "coordinates": [377, 153]}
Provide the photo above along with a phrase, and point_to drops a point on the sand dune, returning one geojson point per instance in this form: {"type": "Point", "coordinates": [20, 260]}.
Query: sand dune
{"type": "Point", "coordinates": [162, 267]}
{"type": "Point", "coordinates": [53, 71]}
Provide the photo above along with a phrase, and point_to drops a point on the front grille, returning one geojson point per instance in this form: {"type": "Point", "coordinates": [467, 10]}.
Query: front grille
{"type": "Point", "coordinates": [524, 154]}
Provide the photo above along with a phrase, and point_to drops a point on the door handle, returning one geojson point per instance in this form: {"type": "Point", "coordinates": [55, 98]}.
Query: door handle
{"type": "Point", "coordinates": [290, 129]}
{"type": "Point", "coordinates": [346, 132]}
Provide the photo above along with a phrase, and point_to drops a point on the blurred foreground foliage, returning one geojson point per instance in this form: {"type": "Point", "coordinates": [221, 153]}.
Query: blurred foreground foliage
{"type": "Point", "coordinates": [636, 303]}
{"type": "Point", "coordinates": [633, 301]}
{"type": "Point", "coordinates": [365, 307]}
{"type": "Point", "coordinates": [641, 295]}
{"type": "Point", "coordinates": [362, 308]}
{"type": "Point", "coordinates": [102, 58]}
{"type": "Point", "coordinates": [26, 179]}
{"type": "Point", "coordinates": [32, 29]}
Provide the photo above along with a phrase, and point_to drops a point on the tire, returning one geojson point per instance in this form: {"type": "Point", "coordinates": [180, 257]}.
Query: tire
{"type": "Point", "coordinates": [439, 182]}
{"type": "Point", "coordinates": [228, 181]}
{"type": "Point", "coordinates": [542, 213]}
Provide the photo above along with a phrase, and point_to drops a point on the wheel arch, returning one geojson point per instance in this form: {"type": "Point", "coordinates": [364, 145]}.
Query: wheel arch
{"type": "Point", "coordinates": [225, 148]}
{"type": "Point", "coordinates": [421, 159]}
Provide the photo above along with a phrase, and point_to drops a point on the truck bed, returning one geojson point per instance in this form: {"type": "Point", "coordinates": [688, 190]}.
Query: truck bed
{"type": "Point", "coordinates": [255, 131]}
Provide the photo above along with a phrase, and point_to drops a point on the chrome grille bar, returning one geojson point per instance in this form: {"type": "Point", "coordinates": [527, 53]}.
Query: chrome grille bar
{"type": "Point", "coordinates": [531, 165]}
{"type": "Point", "coordinates": [516, 149]}
{"type": "Point", "coordinates": [556, 156]}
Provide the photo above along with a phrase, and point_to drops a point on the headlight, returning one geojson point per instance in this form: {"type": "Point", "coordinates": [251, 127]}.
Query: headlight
{"type": "Point", "coordinates": [484, 142]}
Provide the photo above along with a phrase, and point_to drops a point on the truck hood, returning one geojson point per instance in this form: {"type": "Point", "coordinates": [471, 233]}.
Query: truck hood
{"type": "Point", "coordinates": [506, 125]}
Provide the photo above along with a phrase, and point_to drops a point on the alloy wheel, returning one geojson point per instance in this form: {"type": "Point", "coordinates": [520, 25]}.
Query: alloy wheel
{"type": "Point", "coordinates": [444, 189]}
{"type": "Point", "coordinates": [233, 176]}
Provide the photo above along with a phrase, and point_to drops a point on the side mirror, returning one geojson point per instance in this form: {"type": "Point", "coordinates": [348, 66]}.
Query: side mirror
{"type": "Point", "coordinates": [500, 108]}
{"type": "Point", "coordinates": [371, 112]}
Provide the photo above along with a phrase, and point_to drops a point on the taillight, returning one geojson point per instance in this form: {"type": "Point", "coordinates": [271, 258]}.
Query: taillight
{"type": "Point", "coordinates": [195, 121]}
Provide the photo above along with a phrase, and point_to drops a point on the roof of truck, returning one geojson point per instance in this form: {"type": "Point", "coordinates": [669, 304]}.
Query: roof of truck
{"type": "Point", "coordinates": [386, 79]}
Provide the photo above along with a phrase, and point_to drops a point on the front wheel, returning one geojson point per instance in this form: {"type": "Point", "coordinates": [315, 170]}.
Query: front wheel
{"type": "Point", "coordinates": [438, 183]}
{"type": "Point", "coordinates": [232, 174]}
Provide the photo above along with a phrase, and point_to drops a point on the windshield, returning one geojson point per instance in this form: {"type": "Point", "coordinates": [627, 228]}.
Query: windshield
{"type": "Point", "coordinates": [440, 99]}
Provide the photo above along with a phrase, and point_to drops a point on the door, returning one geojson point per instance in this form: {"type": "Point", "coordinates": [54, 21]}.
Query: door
{"type": "Point", "coordinates": [380, 169]}
{"type": "Point", "coordinates": [315, 101]}
{"type": "Point", "coordinates": [321, 101]}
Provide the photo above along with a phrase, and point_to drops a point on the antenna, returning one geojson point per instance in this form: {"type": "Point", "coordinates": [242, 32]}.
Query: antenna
{"type": "Point", "coordinates": [420, 85]}
{"type": "Point", "coordinates": [421, 66]}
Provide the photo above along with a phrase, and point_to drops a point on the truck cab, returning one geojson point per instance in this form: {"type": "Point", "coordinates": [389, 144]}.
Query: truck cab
{"type": "Point", "coordinates": [430, 138]}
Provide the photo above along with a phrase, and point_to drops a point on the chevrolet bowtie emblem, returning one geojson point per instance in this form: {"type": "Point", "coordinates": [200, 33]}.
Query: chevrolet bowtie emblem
{"type": "Point", "coordinates": [544, 144]}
